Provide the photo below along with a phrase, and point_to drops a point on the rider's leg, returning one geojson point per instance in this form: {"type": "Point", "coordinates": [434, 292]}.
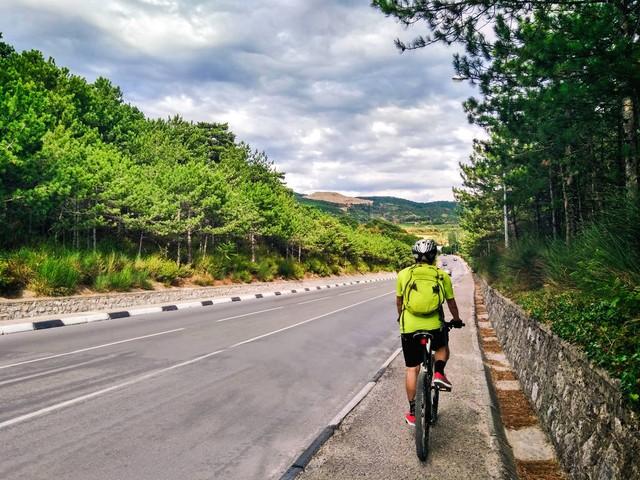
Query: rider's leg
{"type": "Point", "coordinates": [411, 380]}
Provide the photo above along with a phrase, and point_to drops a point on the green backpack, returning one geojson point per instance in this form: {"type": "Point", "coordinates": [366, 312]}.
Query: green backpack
{"type": "Point", "coordinates": [424, 292]}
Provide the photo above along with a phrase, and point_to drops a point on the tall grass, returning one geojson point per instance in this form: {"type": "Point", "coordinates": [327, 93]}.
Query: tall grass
{"type": "Point", "coordinates": [588, 291]}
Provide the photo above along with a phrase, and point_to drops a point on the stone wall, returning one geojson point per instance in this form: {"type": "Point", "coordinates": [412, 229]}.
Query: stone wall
{"type": "Point", "coordinates": [579, 405]}
{"type": "Point", "coordinates": [30, 308]}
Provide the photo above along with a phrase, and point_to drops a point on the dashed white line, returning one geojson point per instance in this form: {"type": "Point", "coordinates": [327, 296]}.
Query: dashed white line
{"type": "Point", "coordinates": [73, 401]}
{"type": "Point", "coordinates": [2, 367]}
{"type": "Point", "coordinates": [307, 321]}
{"type": "Point", "coordinates": [315, 300]}
{"type": "Point", "coordinates": [81, 398]}
{"type": "Point", "coordinates": [247, 314]}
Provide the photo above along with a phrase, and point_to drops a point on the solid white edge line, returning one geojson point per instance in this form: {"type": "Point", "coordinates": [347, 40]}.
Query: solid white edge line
{"type": "Point", "coordinates": [337, 420]}
{"type": "Point", "coordinates": [81, 398]}
{"type": "Point", "coordinates": [184, 306]}
{"type": "Point", "coordinates": [144, 311]}
{"type": "Point", "coordinates": [352, 404]}
{"type": "Point", "coordinates": [2, 367]}
{"type": "Point", "coordinates": [16, 328]}
{"type": "Point", "coordinates": [388, 361]}
{"type": "Point", "coordinates": [248, 314]}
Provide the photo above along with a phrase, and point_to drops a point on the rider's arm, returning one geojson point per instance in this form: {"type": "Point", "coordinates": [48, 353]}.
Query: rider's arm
{"type": "Point", "coordinates": [453, 308]}
{"type": "Point", "coordinates": [399, 304]}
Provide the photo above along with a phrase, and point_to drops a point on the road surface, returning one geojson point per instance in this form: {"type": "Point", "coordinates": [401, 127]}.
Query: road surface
{"type": "Point", "coordinates": [232, 391]}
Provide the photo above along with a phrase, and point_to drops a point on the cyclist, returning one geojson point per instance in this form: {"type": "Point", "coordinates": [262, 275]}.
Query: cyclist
{"type": "Point", "coordinates": [424, 253]}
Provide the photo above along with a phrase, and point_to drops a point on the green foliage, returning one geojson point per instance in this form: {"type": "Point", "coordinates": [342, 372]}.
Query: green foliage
{"type": "Point", "coordinates": [55, 277]}
{"type": "Point", "coordinates": [266, 269]}
{"type": "Point", "coordinates": [162, 270]}
{"type": "Point", "coordinates": [290, 269]}
{"type": "Point", "coordinates": [123, 280]}
{"type": "Point", "coordinates": [317, 266]}
{"type": "Point", "coordinates": [610, 340]}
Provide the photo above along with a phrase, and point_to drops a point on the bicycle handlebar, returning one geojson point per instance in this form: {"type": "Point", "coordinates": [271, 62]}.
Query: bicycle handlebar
{"type": "Point", "coordinates": [450, 325]}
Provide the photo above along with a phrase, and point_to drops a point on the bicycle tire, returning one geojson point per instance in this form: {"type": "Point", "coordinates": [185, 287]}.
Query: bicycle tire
{"type": "Point", "coordinates": [423, 414]}
{"type": "Point", "coordinates": [435, 398]}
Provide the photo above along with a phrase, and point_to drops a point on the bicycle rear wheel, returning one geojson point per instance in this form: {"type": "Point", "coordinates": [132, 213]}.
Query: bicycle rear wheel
{"type": "Point", "coordinates": [423, 414]}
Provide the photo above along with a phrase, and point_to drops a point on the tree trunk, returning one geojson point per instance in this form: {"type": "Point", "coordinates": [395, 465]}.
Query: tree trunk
{"type": "Point", "coordinates": [554, 220]}
{"type": "Point", "coordinates": [252, 239]}
{"type": "Point", "coordinates": [95, 239]}
{"type": "Point", "coordinates": [140, 244]}
{"type": "Point", "coordinates": [568, 214]}
{"type": "Point", "coordinates": [189, 256]}
{"type": "Point", "coordinates": [299, 252]}
{"type": "Point", "coordinates": [204, 247]}
{"type": "Point", "coordinates": [630, 146]}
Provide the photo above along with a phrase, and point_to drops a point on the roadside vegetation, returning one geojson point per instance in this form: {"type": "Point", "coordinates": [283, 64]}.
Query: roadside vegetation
{"type": "Point", "coordinates": [93, 195]}
{"type": "Point", "coordinates": [559, 99]}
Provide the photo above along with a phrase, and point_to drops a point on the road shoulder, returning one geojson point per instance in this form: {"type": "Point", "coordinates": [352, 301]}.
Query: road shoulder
{"type": "Point", "coordinates": [373, 441]}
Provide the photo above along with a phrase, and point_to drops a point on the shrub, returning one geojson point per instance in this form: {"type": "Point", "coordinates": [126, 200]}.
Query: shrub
{"type": "Point", "coordinates": [162, 270]}
{"type": "Point", "coordinates": [122, 281]}
{"type": "Point", "coordinates": [317, 266]}
{"type": "Point", "coordinates": [290, 269]}
{"type": "Point", "coordinates": [14, 275]}
{"type": "Point", "coordinates": [91, 266]}
{"type": "Point", "coordinates": [242, 276]}
{"type": "Point", "coordinates": [266, 269]}
{"type": "Point", "coordinates": [203, 279]}
{"type": "Point", "coordinates": [56, 276]}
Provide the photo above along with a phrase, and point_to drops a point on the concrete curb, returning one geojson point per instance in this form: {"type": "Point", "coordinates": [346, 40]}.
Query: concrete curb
{"type": "Point", "coordinates": [496, 427]}
{"type": "Point", "coordinates": [305, 457]}
{"type": "Point", "coordinates": [96, 317]}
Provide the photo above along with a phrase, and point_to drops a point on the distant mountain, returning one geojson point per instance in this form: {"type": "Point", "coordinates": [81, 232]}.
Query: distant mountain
{"type": "Point", "coordinates": [338, 198]}
{"type": "Point", "coordinates": [392, 209]}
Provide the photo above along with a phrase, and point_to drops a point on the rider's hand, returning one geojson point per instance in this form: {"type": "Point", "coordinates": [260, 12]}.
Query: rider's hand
{"type": "Point", "coordinates": [457, 323]}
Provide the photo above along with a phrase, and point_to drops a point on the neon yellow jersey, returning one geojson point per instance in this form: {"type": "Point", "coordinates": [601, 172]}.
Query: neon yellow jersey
{"type": "Point", "coordinates": [410, 322]}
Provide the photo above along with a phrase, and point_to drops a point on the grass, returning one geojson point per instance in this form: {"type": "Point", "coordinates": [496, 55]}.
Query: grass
{"type": "Point", "coordinates": [51, 271]}
{"type": "Point", "coordinates": [587, 292]}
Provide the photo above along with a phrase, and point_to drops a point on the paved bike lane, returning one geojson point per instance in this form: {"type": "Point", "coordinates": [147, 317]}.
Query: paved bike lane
{"type": "Point", "coordinates": [374, 442]}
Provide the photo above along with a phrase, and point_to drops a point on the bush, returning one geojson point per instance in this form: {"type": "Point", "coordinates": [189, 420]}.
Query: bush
{"type": "Point", "coordinates": [55, 277]}
{"type": "Point", "coordinates": [242, 276]}
{"type": "Point", "coordinates": [91, 266]}
{"type": "Point", "coordinates": [122, 281]}
{"type": "Point", "coordinates": [290, 269]}
{"type": "Point", "coordinates": [14, 275]}
{"type": "Point", "coordinates": [162, 270]}
{"type": "Point", "coordinates": [317, 266]}
{"type": "Point", "coordinates": [266, 269]}
{"type": "Point", "coordinates": [203, 279]}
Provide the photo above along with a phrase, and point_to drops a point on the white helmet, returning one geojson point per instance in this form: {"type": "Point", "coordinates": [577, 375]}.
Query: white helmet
{"type": "Point", "coordinates": [424, 250]}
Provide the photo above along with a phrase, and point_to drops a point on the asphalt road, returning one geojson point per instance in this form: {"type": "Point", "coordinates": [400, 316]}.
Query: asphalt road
{"type": "Point", "coordinates": [223, 392]}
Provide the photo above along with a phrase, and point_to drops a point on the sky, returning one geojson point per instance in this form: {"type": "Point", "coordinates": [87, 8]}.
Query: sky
{"type": "Point", "coordinates": [317, 84]}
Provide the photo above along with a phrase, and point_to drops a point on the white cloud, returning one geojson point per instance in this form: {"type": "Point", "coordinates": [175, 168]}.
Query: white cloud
{"type": "Point", "coordinates": [317, 84]}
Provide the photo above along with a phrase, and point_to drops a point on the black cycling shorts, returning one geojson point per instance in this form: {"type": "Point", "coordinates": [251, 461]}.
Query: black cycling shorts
{"type": "Point", "coordinates": [413, 351]}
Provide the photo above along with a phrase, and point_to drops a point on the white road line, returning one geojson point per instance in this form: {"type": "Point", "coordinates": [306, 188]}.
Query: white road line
{"type": "Point", "coordinates": [89, 348]}
{"type": "Point", "coordinates": [247, 314]}
{"type": "Point", "coordinates": [308, 320]}
{"type": "Point", "coordinates": [48, 372]}
{"type": "Point", "coordinates": [315, 300]}
{"type": "Point", "coordinates": [97, 393]}
{"type": "Point", "coordinates": [73, 401]}
{"type": "Point", "coordinates": [348, 293]}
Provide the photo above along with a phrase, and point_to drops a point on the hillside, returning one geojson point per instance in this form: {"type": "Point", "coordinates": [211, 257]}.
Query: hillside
{"type": "Point", "coordinates": [392, 209]}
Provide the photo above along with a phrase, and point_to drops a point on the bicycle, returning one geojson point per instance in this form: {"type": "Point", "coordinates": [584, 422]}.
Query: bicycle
{"type": "Point", "coordinates": [427, 394]}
